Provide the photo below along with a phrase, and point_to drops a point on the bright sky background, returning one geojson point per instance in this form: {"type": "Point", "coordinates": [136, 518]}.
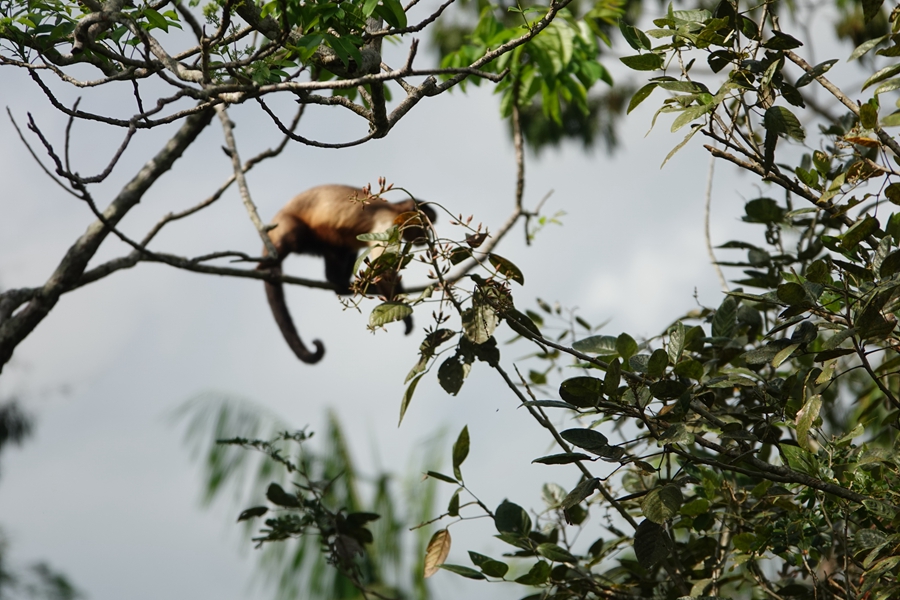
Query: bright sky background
{"type": "Point", "coordinates": [105, 490]}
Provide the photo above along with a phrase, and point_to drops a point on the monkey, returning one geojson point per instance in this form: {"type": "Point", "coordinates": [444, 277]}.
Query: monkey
{"type": "Point", "coordinates": [325, 221]}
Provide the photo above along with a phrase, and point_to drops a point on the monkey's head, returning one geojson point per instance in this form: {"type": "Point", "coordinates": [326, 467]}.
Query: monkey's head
{"type": "Point", "coordinates": [410, 221]}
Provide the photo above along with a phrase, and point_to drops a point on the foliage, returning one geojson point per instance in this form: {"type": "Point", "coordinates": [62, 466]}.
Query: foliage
{"type": "Point", "coordinates": [749, 450]}
{"type": "Point", "coordinates": [313, 502]}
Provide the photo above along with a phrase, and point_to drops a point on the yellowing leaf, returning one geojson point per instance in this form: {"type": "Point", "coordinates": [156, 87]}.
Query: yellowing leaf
{"type": "Point", "coordinates": [437, 552]}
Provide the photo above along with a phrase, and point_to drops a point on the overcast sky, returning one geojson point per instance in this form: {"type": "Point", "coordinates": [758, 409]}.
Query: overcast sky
{"type": "Point", "coordinates": [105, 490]}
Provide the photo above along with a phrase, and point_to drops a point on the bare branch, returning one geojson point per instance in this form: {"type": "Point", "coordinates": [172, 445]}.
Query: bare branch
{"type": "Point", "coordinates": [232, 151]}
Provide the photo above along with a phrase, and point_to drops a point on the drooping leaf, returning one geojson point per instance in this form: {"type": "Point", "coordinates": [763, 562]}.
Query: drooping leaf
{"type": "Point", "coordinates": [651, 544]}
{"type": "Point", "coordinates": [580, 492]}
{"type": "Point", "coordinates": [466, 572]}
{"type": "Point", "coordinates": [488, 566]}
{"type": "Point", "coordinates": [643, 62]}
{"type": "Point", "coordinates": [460, 451]}
{"type": "Point", "coordinates": [437, 551]}
{"type": "Point", "coordinates": [388, 312]}
{"type": "Point", "coordinates": [537, 575]}
{"type": "Point", "coordinates": [479, 323]}
{"type": "Point", "coordinates": [805, 419]}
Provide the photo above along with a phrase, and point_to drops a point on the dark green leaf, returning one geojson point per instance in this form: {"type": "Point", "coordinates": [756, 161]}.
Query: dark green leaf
{"type": "Point", "coordinates": [881, 75]}
{"type": "Point", "coordinates": [725, 320]}
{"type": "Point", "coordinates": [521, 324]}
{"type": "Point", "coordinates": [779, 119]}
{"type": "Point", "coordinates": [392, 12]}
{"type": "Point", "coordinates": [556, 553]}
{"type": "Point", "coordinates": [561, 459]}
{"type": "Point", "coordinates": [656, 366]}
{"type": "Point", "coordinates": [467, 572]}
{"type": "Point", "coordinates": [488, 566]}
{"type": "Point", "coordinates": [643, 62]}
{"type": "Point", "coordinates": [451, 374]}
{"type": "Point", "coordinates": [407, 396]}
{"type": "Point", "coordinates": [460, 451]}
{"type": "Point", "coordinates": [651, 544]}
{"type": "Point", "coordinates": [580, 492]}
{"type": "Point", "coordinates": [611, 381]}
{"type": "Point", "coordinates": [507, 269]}
{"type": "Point", "coordinates": [453, 506]}
{"type": "Point", "coordinates": [276, 495]}
{"type": "Point", "coordinates": [603, 345]}
{"type": "Point", "coordinates": [792, 293]}
{"type": "Point", "coordinates": [858, 232]}
{"type": "Point", "coordinates": [512, 518]}
{"type": "Point", "coordinates": [441, 476]}
{"type": "Point", "coordinates": [676, 434]}
{"type": "Point", "coordinates": [871, 8]}
{"type": "Point", "coordinates": [537, 575]}
{"type": "Point", "coordinates": [583, 392]}
{"type": "Point", "coordinates": [256, 511]}
{"type": "Point", "coordinates": [818, 70]}
{"type": "Point", "coordinates": [639, 96]}
{"type": "Point", "coordinates": [782, 41]}
{"type": "Point", "coordinates": [586, 439]}
{"type": "Point", "coordinates": [626, 346]}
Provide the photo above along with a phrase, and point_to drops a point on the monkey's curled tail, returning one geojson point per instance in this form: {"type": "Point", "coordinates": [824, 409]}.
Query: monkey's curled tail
{"type": "Point", "coordinates": [275, 294]}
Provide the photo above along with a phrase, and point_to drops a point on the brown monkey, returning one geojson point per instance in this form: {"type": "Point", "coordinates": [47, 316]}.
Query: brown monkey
{"type": "Point", "coordinates": [324, 221]}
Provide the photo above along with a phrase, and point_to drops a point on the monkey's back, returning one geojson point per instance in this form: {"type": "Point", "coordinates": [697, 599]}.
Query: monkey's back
{"type": "Point", "coordinates": [335, 215]}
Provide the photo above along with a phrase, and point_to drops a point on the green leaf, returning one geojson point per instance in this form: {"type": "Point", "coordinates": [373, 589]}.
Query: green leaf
{"type": "Point", "coordinates": [155, 19]}
{"type": "Point", "coordinates": [256, 511]}
{"type": "Point", "coordinates": [634, 36]}
{"type": "Point", "coordinates": [467, 572]}
{"type": "Point", "coordinates": [489, 566]}
{"type": "Point", "coordinates": [556, 553]}
{"type": "Point", "coordinates": [792, 293]}
{"type": "Point", "coordinates": [451, 375]}
{"type": "Point", "coordinates": [651, 544]}
{"type": "Point", "coordinates": [662, 503]}
{"type": "Point", "coordinates": [479, 323]}
{"type": "Point", "coordinates": [388, 312]}
{"type": "Point", "coordinates": [725, 320]}
{"type": "Point", "coordinates": [784, 354]}
{"type": "Point", "coordinates": [561, 459]}
{"type": "Point", "coordinates": [881, 75]}
{"type": "Point", "coordinates": [611, 381]}
{"type": "Point", "coordinates": [639, 96]}
{"type": "Point", "coordinates": [818, 70]}
{"type": "Point", "coordinates": [603, 345]}
{"type": "Point", "coordinates": [782, 41]}
{"type": "Point", "coordinates": [512, 518]}
{"type": "Point", "coordinates": [583, 392]}
{"type": "Point", "coordinates": [626, 346]}
{"type": "Point", "coordinates": [392, 12]}
{"type": "Point", "coordinates": [690, 114]}
{"type": "Point", "coordinates": [442, 477]}
{"type": "Point", "coordinates": [868, 112]}
{"type": "Point", "coordinates": [871, 8]}
{"type": "Point", "coordinates": [407, 396]}
{"type": "Point", "coordinates": [521, 324]}
{"type": "Point", "coordinates": [276, 495]}
{"type": "Point", "coordinates": [656, 366]}
{"type": "Point", "coordinates": [453, 505]}
{"type": "Point", "coordinates": [580, 492]}
{"type": "Point", "coordinates": [780, 120]}
{"type": "Point", "coordinates": [537, 575]}
{"type": "Point", "coordinates": [460, 451]}
{"type": "Point", "coordinates": [506, 268]}
{"type": "Point", "coordinates": [695, 507]}
{"type": "Point", "coordinates": [643, 62]}
{"type": "Point", "coordinates": [858, 232]}
{"type": "Point", "coordinates": [676, 434]}
{"type": "Point", "coordinates": [586, 439]}
{"type": "Point", "coordinates": [805, 419]}
{"type": "Point", "coordinates": [865, 47]}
